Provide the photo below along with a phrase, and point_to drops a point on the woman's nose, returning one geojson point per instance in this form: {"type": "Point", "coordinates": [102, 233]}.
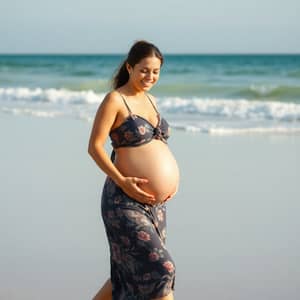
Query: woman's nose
{"type": "Point", "coordinates": [149, 76]}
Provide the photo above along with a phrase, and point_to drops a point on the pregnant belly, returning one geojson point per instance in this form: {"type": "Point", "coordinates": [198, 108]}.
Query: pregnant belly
{"type": "Point", "coordinates": [153, 161]}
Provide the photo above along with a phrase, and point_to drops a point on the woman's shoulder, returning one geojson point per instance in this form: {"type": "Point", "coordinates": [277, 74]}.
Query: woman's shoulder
{"type": "Point", "coordinates": [112, 98]}
{"type": "Point", "coordinates": [111, 103]}
{"type": "Point", "coordinates": [113, 95]}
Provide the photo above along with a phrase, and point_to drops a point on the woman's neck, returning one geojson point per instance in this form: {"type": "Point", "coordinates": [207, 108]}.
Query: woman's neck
{"type": "Point", "coordinates": [132, 90]}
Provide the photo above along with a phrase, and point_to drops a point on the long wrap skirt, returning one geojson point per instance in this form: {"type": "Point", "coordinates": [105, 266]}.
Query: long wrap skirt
{"type": "Point", "coordinates": [141, 266]}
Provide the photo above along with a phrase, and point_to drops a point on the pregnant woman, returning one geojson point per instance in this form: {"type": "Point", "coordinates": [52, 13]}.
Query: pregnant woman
{"type": "Point", "coordinates": [142, 174]}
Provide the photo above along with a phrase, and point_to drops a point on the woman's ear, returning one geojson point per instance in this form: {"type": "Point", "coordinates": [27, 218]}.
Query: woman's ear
{"type": "Point", "coordinates": [129, 68]}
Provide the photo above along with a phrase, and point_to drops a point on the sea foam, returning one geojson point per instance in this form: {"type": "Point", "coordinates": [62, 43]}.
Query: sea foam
{"type": "Point", "coordinates": [204, 115]}
{"type": "Point", "coordinates": [243, 109]}
{"type": "Point", "coordinates": [49, 95]}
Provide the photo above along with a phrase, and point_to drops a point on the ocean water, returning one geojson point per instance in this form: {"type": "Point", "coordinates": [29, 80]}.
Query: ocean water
{"type": "Point", "coordinates": [209, 94]}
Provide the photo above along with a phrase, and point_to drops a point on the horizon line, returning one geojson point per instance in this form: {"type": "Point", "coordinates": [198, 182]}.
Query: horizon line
{"type": "Point", "coordinates": [166, 53]}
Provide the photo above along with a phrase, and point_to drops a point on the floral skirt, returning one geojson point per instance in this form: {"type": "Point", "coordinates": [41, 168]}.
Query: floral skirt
{"type": "Point", "coordinates": [141, 266]}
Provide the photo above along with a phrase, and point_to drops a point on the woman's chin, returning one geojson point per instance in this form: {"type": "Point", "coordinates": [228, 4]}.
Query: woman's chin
{"type": "Point", "coordinates": [146, 87]}
{"type": "Point", "coordinates": [143, 88]}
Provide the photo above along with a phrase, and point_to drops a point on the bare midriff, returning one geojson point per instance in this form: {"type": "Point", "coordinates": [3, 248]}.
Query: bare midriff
{"type": "Point", "coordinates": [153, 161]}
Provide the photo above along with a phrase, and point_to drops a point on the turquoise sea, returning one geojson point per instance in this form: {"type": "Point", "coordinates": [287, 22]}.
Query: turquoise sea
{"type": "Point", "coordinates": [210, 94]}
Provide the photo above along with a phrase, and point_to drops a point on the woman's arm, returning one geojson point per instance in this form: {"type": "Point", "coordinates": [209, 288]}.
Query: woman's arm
{"type": "Point", "coordinates": [104, 120]}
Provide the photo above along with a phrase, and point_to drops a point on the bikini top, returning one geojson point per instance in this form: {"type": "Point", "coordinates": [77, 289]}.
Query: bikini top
{"type": "Point", "coordinates": [136, 130]}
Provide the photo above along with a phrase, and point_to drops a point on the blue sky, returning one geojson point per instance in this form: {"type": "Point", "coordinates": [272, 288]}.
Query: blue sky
{"type": "Point", "coordinates": [191, 26]}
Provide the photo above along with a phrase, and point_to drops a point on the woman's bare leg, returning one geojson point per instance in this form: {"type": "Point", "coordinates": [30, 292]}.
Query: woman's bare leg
{"type": "Point", "coordinates": [168, 297]}
{"type": "Point", "coordinates": [105, 292]}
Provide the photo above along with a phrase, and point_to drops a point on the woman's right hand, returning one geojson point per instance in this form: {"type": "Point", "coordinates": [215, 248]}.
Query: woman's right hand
{"type": "Point", "coordinates": [130, 185]}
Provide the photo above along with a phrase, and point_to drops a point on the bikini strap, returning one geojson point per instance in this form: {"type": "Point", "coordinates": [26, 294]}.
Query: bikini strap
{"type": "Point", "coordinates": [152, 104]}
{"type": "Point", "coordinates": [123, 98]}
{"type": "Point", "coordinates": [125, 103]}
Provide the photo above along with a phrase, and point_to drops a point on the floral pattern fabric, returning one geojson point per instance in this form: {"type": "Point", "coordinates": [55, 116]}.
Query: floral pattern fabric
{"type": "Point", "coordinates": [141, 266]}
{"type": "Point", "coordinates": [136, 131]}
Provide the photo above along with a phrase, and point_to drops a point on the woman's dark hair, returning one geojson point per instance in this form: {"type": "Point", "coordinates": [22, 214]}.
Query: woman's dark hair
{"type": "Point", "coordinates": [139, 50]}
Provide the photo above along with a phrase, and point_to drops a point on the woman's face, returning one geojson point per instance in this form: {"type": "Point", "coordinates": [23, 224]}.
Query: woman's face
{"type": "Point", "coordinates": [145, 73]}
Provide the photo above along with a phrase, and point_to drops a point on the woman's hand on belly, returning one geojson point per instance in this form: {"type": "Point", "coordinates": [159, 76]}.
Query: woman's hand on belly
{"type": "Point", "coordinates": [153, 161]}
{"type": "Point", "coordinates": [130, 186]}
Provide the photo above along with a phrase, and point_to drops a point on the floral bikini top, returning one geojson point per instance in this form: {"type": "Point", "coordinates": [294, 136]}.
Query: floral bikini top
{"type": "Point", "coordinates": [136, 130]}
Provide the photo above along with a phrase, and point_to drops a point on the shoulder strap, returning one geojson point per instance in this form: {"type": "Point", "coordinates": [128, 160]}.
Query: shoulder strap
{"type": "Point", "coordinates": [125, 103]}
{"type": "Point", "coordinates": [152, 104]}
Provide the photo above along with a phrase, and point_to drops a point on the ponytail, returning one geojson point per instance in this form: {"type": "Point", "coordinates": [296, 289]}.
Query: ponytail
{"type": "Point", "coordinates": [121, 76]}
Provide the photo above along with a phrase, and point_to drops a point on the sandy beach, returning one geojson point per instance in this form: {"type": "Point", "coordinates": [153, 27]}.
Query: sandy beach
{"type": "Point", "coordinates": [233, 226]}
